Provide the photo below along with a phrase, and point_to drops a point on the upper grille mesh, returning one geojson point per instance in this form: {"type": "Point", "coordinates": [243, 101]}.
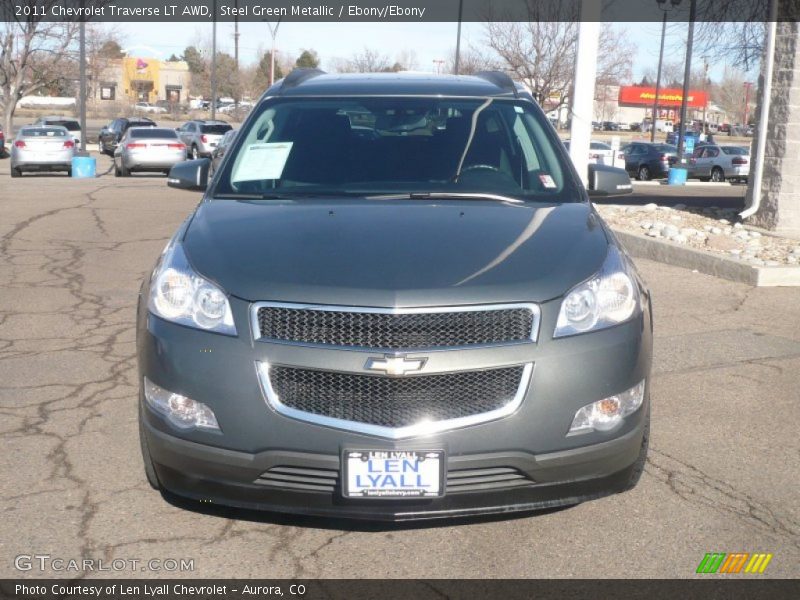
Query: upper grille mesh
{"type": "Point", "coordinates": [395, 401]}
{"type": "Point", "coordinates": [395, 331]}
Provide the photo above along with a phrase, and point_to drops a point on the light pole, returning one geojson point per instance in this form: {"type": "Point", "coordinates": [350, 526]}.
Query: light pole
{"type": "Point", "coordinates": [662, 4]}
{"type": "Point", "coordinates": [214, 65]}
{"type": "Point", "coordinates": [687, 73]}
{"type": "Point", "coordinates": [458, 38]}
{"type": "Point", "coordinates": [748, 85]}
{"type": "Point", "coordinates": [273, 31]}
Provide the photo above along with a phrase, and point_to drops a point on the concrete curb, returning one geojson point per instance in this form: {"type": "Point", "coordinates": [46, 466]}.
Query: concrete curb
{"type": "Point", "coordinates": [707, 262]}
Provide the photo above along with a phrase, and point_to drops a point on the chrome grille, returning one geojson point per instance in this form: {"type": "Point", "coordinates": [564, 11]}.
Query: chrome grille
{"type": "Point", "coordinates": [397, 329]}
{"type": "Point", "coordinates": [396, 402]}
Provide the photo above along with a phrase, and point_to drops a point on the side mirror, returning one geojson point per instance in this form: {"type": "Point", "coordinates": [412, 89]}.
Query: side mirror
{"type": "Point", "coordinates": [608, 181]}
{"type": "Point", "coordinates": [190, 175]}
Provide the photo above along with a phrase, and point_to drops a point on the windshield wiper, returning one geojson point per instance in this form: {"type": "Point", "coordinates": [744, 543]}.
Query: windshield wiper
{"type": "Point", "coordinates": [283, 196]}
{"type": "Point", "coordinates": [264, 196]}
{"type": "Point", "coordinates": [447, 196]}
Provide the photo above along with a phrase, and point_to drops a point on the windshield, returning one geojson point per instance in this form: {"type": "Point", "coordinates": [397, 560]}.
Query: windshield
{"type": "Point", "coordinates": [381, 145]}
{"type": "Point", "coordinates": [44, 132]}
{"type": "Point", "coordinates": [70, 125]}
{"type": "Point", "coordinates": [217, 128]}
{"type": "Point", "coordinates": [152, 133]}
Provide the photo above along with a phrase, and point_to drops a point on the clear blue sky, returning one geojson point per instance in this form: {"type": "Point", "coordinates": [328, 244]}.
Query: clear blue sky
{"type": "Point", "coordinates": [430, 41]}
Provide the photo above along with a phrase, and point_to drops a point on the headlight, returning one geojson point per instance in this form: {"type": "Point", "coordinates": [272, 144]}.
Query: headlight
{"type": "Point", "coordinates": [607, 413]}
{"type": "Point", "coordinates": [608, 298]}
{"type": "Point", "coordinates": [180, 295]}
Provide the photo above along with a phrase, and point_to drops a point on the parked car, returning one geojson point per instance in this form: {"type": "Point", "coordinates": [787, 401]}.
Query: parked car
{"type": "Point", "coordinates": [146, 107]}
{"type": "Point", "coordinates": [111, 134]}
{"type": "Point", "coordinates": [610, 126]}
{"type": "Point", "coordinates": [646, 161]}
{"type": "Point", "coordinates": [325, 316]}
{"type": "Point", "coordinates": [72, 126]}
{"type": "Point", "coordinates": [201, 137]}
{"type": "Point", "coordinates": [222, 147]}
{"type": "Point", "coordinates": [602, 154]}
{"type": "Point", "coordinates": [2, 144]}
{"type": "Point", "coordinates": [44, 148]}
{"type": "Point", "coordinates": [148, 149]}
{"type": "Point", "coordinates": [718, 163]}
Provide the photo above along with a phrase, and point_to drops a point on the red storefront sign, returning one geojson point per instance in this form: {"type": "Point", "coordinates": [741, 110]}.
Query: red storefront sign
{"type": "Point", "coordinates": [635, 95]}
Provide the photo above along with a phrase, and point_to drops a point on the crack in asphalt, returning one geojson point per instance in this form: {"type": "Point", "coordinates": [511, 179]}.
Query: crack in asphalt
{"type": "Point", "coordinates": [697, 487]}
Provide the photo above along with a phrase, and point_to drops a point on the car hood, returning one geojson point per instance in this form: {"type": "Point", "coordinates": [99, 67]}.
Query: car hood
{"type": "Point", "coordinates": [394, 253]}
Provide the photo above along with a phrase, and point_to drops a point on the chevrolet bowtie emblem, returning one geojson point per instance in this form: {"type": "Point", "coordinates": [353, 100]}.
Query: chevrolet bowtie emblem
{"type": "Point", "coordinates": [395, 365]}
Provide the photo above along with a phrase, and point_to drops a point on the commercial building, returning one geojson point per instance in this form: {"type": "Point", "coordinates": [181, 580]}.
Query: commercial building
{"type": "Point", "coordinates": [128, 80]}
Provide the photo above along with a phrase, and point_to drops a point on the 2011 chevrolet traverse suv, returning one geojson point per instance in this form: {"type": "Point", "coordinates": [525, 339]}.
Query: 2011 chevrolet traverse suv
{"type": "Point", "coordinates": [395, 301]}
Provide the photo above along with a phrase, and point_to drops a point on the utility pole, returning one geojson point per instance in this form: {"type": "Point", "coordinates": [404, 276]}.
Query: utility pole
{"type": "Point", "coordinates": [214, 65]}
{"type": "Point", "coordinates": [82, 76]}
{"type": "Point", "coordinates": [273, 31]}
{"type": "Point", "coordinates": [705, 89]}
{"type": "Point", "coordinates": [747, 87]}
{"type": "Point", "coordinates": [458, 37]}
{"type": "Point", "coordinates": [687, 74]}
{"type": "Point", "coordinates": [236, 51]}
{"type": "Point", "coordinates": [654, 115]}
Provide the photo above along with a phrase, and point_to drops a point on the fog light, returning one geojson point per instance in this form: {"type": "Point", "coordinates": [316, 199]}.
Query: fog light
{"type": "Point", "coordinates": [181, 411]}
{"type": "Point", "coordinates": [608, 413]}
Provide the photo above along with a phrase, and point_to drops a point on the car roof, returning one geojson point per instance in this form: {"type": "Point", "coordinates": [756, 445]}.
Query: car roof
{"type": "Point", "coordinates": [312, 82]}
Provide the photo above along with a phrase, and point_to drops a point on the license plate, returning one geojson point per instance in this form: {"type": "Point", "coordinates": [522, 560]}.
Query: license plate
{"type": "Point", "coordinates": [393, 473]}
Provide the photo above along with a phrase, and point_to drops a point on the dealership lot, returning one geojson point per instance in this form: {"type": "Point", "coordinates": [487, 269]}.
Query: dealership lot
{"type": "Point", "coordinates": [721, 476]}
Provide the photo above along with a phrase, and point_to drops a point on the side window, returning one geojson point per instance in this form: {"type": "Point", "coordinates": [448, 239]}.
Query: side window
{"type": "Point", "coordinates": [191, 127]}
{"type": "Point", "coordinates": [712, 152]}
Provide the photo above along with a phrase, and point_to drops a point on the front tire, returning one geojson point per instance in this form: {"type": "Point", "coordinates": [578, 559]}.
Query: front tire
{"type": "Point", "coordinates": [644, 173]}
{"type": "Point", "coordinates": [16, 173]}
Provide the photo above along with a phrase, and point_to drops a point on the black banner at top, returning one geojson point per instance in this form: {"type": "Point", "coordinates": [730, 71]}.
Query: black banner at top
{"type": "Point", "coordinates": [123, 11]}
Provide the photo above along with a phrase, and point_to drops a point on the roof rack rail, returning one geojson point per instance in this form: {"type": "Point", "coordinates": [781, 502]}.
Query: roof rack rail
{"type": "Point", "coordinates": [298, 76]}
{"type": "Point", "coordinates": [500, 79]}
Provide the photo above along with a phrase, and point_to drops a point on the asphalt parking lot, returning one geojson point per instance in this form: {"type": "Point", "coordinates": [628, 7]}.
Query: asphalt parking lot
{"type": "Point", "coordinates": [721, 476]}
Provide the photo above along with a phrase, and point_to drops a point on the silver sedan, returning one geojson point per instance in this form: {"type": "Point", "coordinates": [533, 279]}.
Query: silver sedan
{"type": "Point", "coordinates": [148, 149]}
{"type": "Point", "coordinates": [46, 148]}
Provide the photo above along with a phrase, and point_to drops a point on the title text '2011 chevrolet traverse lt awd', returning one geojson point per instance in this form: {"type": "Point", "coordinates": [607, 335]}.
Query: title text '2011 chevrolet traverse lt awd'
{"type": "Point", "coordinates": [395, 301]}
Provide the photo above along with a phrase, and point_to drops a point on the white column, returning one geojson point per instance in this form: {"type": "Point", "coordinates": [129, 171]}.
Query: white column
{"type": "Point", "coordinates": [583, 88]}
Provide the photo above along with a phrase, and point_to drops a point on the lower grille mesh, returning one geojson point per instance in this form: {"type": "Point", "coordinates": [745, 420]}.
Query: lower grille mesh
{"type": "Point", "coordinates": [395, 401]}
{"type": "Point", "coordinates": [327, 480]}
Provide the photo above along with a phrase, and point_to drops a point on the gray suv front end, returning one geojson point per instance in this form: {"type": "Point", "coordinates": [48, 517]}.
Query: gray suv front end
{"type": "Point", "coordinates": [390, 356]}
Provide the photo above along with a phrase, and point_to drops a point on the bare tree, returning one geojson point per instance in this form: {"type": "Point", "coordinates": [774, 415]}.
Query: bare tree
{"type": "Point", "coordinates": [407, 59]}
{"type": "Point", "coordinates": [541, 52]}
{"type": "Point", "coordinates": [34, 55]}
{"type": "Point", "coordinates": [471, 60]}
{"type": "Point", "coordinates": [729, 95]}
{"type": "Point", "coordinates": [367, 61]}
{"type": "Point", "coordinates": [103, 50]}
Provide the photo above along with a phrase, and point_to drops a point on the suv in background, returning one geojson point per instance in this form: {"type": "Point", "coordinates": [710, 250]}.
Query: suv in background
{"type": "Point", "coordinates": [111, 134]}
{"type": "Point", "coordinates": [201, 137]}
{"type": "Point", "coordinates": [394, 301]}
{"type": "Point", "coordinates": [72, 126]}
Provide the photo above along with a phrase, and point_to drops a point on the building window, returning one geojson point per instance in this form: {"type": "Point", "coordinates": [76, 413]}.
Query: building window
{"type": "Point", "coordinates": [108, 92]}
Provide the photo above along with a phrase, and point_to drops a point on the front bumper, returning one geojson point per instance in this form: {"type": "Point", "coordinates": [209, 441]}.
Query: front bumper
{"type": "Point", "coordinates": [557, 469]}
{"type": "Point", "coordinates": [226, 477]}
